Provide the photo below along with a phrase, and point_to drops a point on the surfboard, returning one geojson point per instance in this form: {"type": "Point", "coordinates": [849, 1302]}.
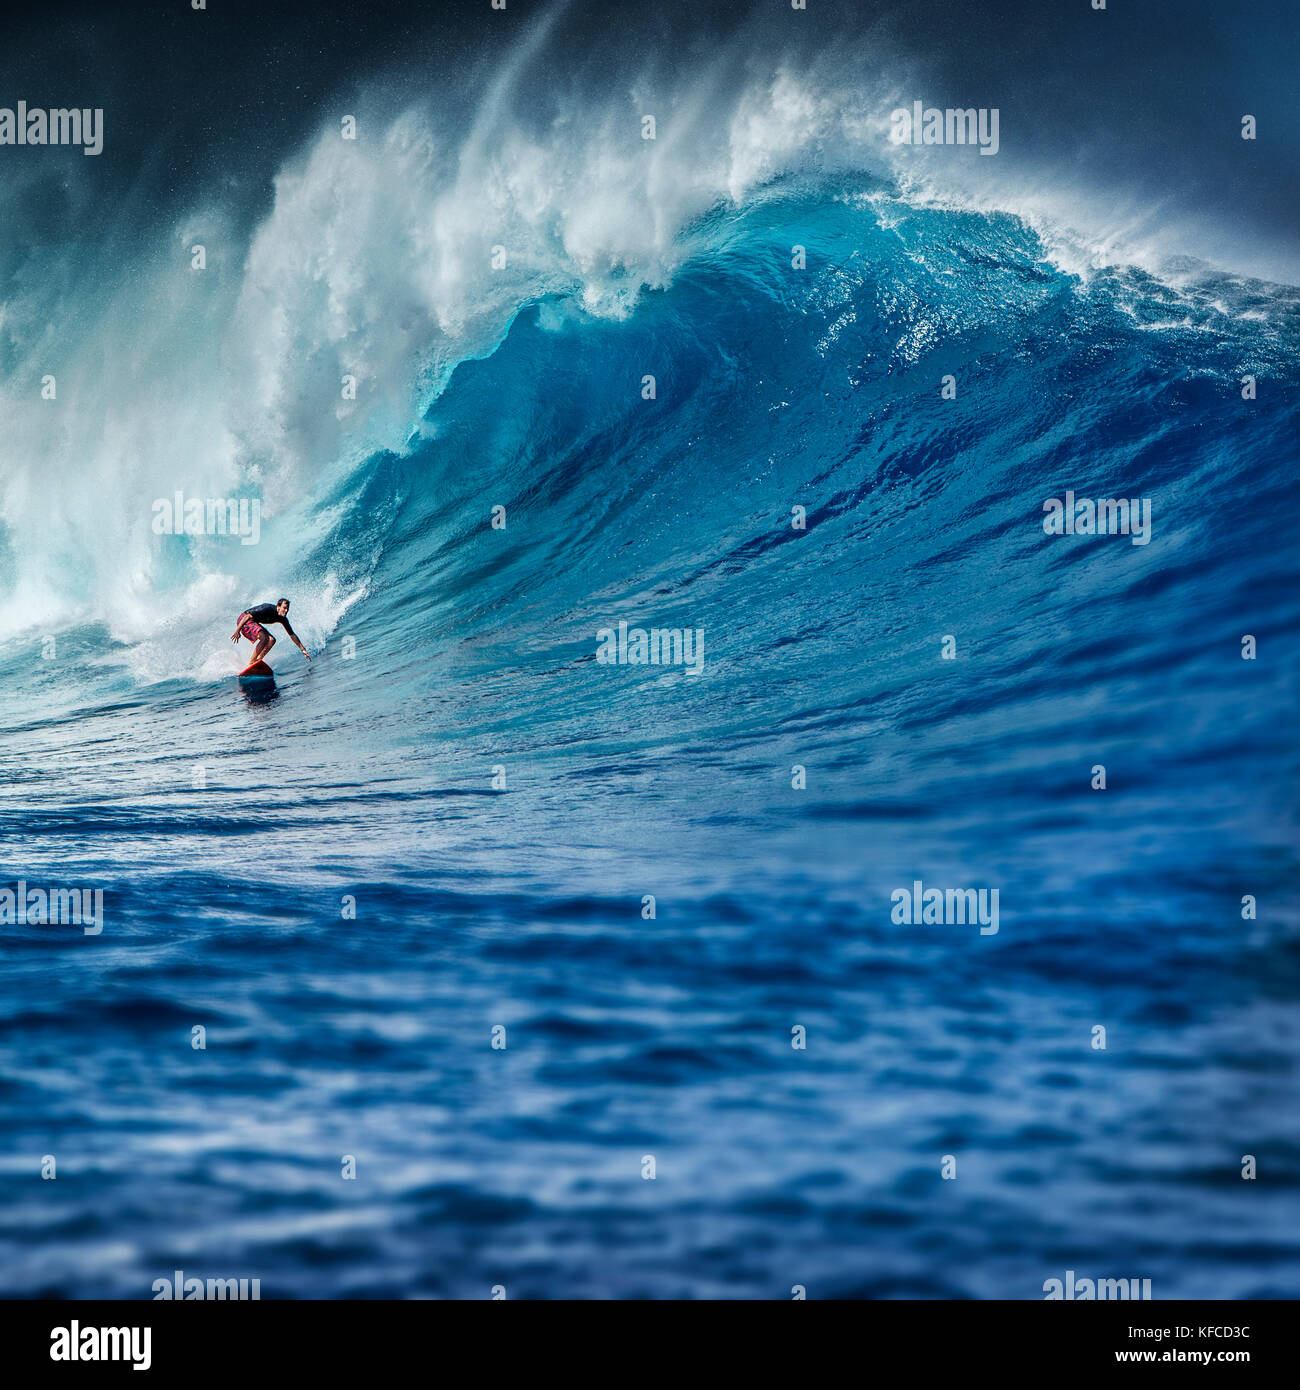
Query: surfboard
{"type": "Point", "coordinates": [258, 668]}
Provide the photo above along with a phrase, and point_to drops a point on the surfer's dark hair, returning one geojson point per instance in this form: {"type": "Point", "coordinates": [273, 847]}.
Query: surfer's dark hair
{"type": "Point", "coordinates": [279, 601]}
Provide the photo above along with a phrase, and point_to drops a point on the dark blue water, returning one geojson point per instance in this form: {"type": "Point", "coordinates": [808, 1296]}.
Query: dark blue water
{"type": "Point", "coordinates": [498, 804]}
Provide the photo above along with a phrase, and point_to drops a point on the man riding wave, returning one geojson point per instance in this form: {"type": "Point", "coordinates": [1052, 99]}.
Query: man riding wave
{"type": "Point", "coordinates": [249, 624]}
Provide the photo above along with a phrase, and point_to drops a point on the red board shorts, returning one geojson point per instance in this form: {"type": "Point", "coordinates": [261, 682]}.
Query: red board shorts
{"type": "Point", "coordinates": [253, 631]}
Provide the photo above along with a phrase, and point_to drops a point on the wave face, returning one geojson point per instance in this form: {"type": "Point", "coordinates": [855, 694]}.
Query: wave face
{"type": "Point", "coordinates": [452, 819]}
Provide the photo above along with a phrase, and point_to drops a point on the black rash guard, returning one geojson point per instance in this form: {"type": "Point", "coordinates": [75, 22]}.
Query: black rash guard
{"type": "Point", "coordinates": [266, 613]}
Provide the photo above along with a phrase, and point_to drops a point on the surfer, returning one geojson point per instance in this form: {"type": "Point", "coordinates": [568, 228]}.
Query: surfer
{"type": "Point", "coordinates": [249, 624]}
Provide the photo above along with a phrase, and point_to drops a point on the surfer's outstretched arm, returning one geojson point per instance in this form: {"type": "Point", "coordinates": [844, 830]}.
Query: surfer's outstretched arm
{"type": "Point", "coordinates": [293, 637]}
{"type": "Point", "coordinates": [239, 622]}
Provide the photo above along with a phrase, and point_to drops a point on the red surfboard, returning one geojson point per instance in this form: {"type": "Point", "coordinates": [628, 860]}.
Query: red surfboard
{"type": "Point", "coordinates": [258, 668]}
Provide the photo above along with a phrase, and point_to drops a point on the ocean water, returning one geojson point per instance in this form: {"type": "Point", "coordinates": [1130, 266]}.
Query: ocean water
{"type": "Point", "coordinates": [451, 820]}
